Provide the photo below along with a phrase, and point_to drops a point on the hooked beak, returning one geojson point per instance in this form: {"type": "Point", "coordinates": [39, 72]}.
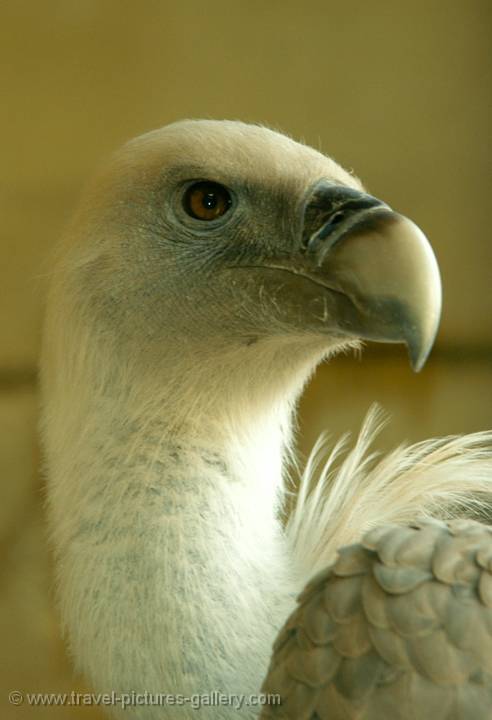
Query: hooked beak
{"type": "Point", "coordinates": [378, 265]}
{"type": "Point", "coordinates": [383, 263]}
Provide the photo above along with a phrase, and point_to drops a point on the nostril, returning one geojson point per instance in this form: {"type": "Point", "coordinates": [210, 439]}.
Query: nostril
{"type": "Point", "coordinates": [332, 221]}
{"type": "Point", "coordinates": [328, 209]}
{"type": "Point", "coordinates": [337, 217]}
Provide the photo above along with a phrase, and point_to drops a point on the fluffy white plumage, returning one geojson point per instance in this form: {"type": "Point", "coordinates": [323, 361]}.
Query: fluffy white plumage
{"type": "Point", "coordinates": [441, 477]}
{"type": "Point", "coordinates": [169, 387]}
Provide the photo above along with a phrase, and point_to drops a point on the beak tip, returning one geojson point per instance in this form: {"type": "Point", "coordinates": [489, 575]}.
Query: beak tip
{"type": "Point", "coordinates": [419, 346]}
{"type": "Point", "coordinates": [417, 358]}
{"type": "Point", "coordinates": [423, 294]}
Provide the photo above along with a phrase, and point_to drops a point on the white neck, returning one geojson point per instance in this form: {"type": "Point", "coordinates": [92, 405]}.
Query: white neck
{"type": "Point", "coordinates": [174, 572]}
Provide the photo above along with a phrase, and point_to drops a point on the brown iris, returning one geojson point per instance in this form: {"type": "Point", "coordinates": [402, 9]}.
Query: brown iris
{"type": "Point", "coordinates": [206, 200]}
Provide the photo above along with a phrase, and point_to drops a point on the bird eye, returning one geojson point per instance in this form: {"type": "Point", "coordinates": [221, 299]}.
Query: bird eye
{"type": "Point", "coordinates": [206, 200]}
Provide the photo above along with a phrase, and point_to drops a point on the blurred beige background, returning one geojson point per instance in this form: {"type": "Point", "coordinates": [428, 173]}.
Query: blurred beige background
{"type": "Point", "coordinates": [400, 92]}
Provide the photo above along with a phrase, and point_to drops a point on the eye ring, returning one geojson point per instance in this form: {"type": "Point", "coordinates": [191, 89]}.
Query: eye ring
{"type": "Point", "coordinates": [206, 200]}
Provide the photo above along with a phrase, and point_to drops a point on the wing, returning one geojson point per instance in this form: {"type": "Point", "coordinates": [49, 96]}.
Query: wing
{"type": "Point", "coordinates": [400, 628]}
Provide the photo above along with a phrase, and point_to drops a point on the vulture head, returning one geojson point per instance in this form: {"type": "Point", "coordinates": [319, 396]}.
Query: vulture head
{"type": "Point", "coordinates": [235, 244]}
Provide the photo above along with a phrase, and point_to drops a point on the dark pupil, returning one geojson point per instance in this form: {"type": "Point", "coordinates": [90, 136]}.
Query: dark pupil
{"type": "Point", "coordinates": [210, 200]}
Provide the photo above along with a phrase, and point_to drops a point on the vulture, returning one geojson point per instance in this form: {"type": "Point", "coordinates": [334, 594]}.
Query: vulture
{"type": "Point", "coordinates": [209, 269]}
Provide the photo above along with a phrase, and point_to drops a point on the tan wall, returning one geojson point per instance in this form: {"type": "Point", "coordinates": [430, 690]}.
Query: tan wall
{"type": "Point", "coordinates": [398, 91]}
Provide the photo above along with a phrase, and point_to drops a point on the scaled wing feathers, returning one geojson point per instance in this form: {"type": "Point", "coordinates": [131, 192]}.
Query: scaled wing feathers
{"type": "Point", "coordinates": [399, 626]}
